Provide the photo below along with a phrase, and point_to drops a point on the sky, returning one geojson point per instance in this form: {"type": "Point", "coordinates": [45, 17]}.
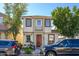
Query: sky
{"type": "Point", "coordinates": [42, 9]}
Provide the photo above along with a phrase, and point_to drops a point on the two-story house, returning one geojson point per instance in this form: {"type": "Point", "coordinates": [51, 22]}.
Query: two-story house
{"type": "Point", "coordinates": [38, 29]}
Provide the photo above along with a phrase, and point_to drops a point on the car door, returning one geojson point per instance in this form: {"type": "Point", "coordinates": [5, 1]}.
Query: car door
{"type": "Point", "coordinates": [64, 48]}
{"type": "Point", "coordinates": [75, 46]}
{"type": "Point", "coordinates": [3, 45]}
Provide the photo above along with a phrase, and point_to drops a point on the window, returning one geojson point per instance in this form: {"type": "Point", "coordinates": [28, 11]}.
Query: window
{"type": "Point", "coordinates": [3, 43]}
{"type": "Point", "coordinates": [39, 23]}
{"type": "Point", "coordinates": [28, 38]}
{"type": "Point", "coordinates": [47, 23]}
{"type": "Point", "coordinates": [13, 43]}
{"type": "Point", "coordinates": [74, 42]}
{"type": "Point", "coordinates": [64, 43]}
{"type": "Point", "coordinates": [51, 38]}
{"type": "Point", "coordinates": [28, 22]}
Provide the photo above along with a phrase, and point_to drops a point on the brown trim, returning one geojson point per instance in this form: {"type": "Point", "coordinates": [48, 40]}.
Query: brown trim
{"type": "Point", "coordinates": [48, 38]}
{"type": "Point", "coordinates": [34, 32]}
{"type": "Point", "coordinates": [36, 17]}
{"type": "Point", "coordinates": [41, 32]}
{"type": "Point", "coordinates": [54, 31]}
{"type": "Point", "coordinates": [28, 32]}
{"type": "Point", "coordinates": [49, 33]}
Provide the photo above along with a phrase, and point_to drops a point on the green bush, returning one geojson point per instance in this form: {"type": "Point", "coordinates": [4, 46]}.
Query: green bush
{"type": "Point", "coordinates": [28, 50]}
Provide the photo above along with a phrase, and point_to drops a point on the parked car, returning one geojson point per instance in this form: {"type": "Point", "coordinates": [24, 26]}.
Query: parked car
{"type": "Point", "coordinates": [8, 47]}
{"type": "Point", "coordinates": [64, 47]}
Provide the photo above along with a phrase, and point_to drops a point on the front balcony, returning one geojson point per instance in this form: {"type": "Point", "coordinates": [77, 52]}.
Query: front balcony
{"type": "Point", "coordinates": [38, 29]}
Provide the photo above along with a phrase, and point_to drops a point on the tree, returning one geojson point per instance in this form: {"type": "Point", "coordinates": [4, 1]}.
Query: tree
{"type": "Point", "coordinates": [14, 13]}
{"type": "Point", "coordinates": [66, 21]}
{"type": "Point", "coordinates": [6, 17]}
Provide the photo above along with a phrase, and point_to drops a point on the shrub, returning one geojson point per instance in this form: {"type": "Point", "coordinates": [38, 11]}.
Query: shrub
{"type": "Point", "coordinates": [28, 50]}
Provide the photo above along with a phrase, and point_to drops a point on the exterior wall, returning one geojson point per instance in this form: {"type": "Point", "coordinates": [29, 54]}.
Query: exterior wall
{"type": "Point", "coordinates": [33, 38]}
{"type": "Point", "coordinates": [45, 39]}
{"type": "Point", "coordinates": [56, 37]}
{"type": "Point", "coordinates": [2, 34]}
{"type": "Point", "coordinates": [33, 31]}
{"type": "Point", "coordinates": [47, 29]}
{"type": "Point", "coordinates": [33, 27]}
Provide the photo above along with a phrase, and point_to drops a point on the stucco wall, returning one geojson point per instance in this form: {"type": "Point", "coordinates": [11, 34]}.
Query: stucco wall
{"type": "Point", "coordinates": [47, 29]}
{"type": "Point", "coordinates": [45, 39]}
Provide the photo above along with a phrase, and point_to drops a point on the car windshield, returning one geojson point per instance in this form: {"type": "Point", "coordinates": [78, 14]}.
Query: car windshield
{"type": "Point", "coordinates": [58, 42]}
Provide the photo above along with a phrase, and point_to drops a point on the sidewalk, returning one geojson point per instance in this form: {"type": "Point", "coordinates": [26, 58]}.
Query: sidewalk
{"type": "Point", "coordinates": [36, 52]}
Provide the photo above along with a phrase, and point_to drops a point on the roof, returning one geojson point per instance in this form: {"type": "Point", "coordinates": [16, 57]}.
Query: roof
{"type": "Point", "coordinates": [36, 17]}
{"type": "Point", "coordinates": [3, 27]}
{"type": "Point", "coordinates": [1, 14]}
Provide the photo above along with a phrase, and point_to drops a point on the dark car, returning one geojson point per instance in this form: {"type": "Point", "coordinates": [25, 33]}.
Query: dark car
{"type": "Point", "coordinates": [65, 47]}
{"type": "Point", "coordinates": [8, 47]}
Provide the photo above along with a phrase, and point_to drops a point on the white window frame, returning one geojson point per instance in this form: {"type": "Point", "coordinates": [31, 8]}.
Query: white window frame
{"type": "Point", "coordinates": [37, 23]}
{"type": "Point", "coordinates": [26, 38]}
{"type": "Point", "coordinates": [27, 23]}
{"type": "Point", "coordinates": [52, 41]}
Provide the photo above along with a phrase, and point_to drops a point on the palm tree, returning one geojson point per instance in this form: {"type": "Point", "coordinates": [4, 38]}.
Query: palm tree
{"type": "Point", "coordinates": [14, 13]}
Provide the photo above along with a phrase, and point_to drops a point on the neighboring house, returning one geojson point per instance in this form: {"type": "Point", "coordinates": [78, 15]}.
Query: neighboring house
{"type": "Point", "coordinates": [38, 29]}
{"type": "Point", "coordinates": [3, 28]}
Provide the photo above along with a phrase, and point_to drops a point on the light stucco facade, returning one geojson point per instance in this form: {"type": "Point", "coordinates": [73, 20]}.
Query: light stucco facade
{"type": "Point", "coordinates": [39, 32]}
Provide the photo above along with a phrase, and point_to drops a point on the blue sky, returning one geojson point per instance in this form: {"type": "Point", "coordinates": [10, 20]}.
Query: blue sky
{"type": "Point", "coordinates": [43, 8]}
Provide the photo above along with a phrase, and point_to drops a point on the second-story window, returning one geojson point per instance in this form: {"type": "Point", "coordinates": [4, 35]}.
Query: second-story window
{"type": "Point", "coordinates": [39, 23]}
{"type": "Point", "coordinates": [47, 22]}
{"type": "Point", "coordinates": [28, 22]}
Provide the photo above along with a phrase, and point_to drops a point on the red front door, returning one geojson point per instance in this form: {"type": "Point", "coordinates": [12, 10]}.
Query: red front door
{"type": "Point", "coordinates": [38, 40]}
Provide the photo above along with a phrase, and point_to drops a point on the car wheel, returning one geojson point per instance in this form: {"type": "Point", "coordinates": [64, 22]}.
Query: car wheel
{"type": "Point", "coordinates": [50, 53]}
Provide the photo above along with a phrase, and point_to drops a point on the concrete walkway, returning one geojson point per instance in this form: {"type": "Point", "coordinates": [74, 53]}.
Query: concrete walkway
{"type": "Point", "coordinates": [36, 52]}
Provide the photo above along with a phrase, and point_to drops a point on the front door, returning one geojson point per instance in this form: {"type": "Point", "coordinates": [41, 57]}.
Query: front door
{"type": "Point", "coordinates": [38, 40]}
